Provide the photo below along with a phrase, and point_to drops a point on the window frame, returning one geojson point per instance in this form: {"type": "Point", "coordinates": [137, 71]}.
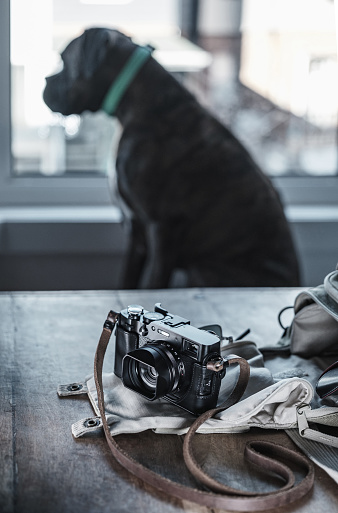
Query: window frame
{"type": "Point", "coordinates": [37, 190]}
{"type": "Point", "coordinates": [89, 190]}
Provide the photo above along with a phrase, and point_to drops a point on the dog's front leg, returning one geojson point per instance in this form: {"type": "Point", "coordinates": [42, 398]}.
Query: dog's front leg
{"type": "Point", "coordinates": [135, 257]}
{"type": "Point", "coordinates": [161, 256]}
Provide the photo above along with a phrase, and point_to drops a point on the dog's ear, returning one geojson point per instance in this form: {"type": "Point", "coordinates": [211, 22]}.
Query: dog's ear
{"type": "Point", "coordinates": [95, 45]}
{"type": "Point", "coordinates": [97, 42]}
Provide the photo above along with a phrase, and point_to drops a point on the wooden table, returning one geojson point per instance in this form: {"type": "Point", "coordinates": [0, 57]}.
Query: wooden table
{"type": "Point", "coordinates": [50, 338]}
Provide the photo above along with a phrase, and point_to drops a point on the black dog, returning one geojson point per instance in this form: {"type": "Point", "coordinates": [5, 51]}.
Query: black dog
{"type": "Point", "coordinates": [199, 203]}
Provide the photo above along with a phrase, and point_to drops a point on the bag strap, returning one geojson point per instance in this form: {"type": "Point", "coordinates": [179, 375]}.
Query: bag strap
{"type": "Point", "coordinates": [262, 454]}
{"type": "Point", "coordinates": [325, 416]}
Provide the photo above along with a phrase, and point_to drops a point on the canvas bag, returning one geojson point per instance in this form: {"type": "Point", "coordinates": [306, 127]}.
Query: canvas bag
{"type": "Point", "coordinates": [314, 328]}
{"type": "Point", "coordinates": [267, 403]}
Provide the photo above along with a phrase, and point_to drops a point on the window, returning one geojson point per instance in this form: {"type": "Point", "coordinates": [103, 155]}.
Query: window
{"type": "Point", "coordinates": [289, 64]}
{"type": "Point", "coordinates": [274, 81]}
{"type": "Point", "coordinates": [284, 106]}
{"type": "Point", "coordinates": [16, 188]}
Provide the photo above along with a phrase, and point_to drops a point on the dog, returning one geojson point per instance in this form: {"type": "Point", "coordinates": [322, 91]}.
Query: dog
{"type": "Point", "coordinates": [199, 203]}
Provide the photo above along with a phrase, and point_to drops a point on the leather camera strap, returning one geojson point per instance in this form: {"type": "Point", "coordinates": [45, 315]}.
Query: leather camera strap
{"type": "Point", "coordinates": [266, 455]}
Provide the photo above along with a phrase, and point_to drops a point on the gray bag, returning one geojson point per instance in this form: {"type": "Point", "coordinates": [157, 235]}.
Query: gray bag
{"type": "Point", "coordinates": [314, 329]}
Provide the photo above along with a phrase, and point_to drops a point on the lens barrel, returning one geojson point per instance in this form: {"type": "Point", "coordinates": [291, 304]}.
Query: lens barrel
{"type": "Point", "coordinates": [152, 371]}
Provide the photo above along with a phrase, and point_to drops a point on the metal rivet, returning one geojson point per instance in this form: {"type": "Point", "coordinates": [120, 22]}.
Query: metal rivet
{"type": "Point", "coordinates": [90, 423]}
{"type": "Point", "coordinates": [75, 387]}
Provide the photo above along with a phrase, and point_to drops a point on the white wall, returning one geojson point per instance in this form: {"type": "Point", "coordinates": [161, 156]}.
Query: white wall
{"type": "Point", "coordinates": [219, 17]}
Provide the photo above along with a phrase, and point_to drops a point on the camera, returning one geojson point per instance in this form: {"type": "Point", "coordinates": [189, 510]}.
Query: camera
{"type": "Point", "coordinates": [158, 354]}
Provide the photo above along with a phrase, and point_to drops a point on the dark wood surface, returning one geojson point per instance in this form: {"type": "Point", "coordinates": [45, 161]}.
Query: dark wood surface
{"type": "Point", "coordinates": [50, 338]}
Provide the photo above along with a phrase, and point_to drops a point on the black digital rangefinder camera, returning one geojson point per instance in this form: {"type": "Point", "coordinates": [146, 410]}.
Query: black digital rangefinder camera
{"type": "Point", "coordinates": [159, 354]}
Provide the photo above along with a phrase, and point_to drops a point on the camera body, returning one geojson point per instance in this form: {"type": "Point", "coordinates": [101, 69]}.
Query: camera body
{"type": "Point", "coordinates": [158, 354]}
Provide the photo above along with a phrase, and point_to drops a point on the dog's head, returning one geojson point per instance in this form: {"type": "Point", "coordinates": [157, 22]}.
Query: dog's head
{"type": "Point", "coordinates": [90, 64]}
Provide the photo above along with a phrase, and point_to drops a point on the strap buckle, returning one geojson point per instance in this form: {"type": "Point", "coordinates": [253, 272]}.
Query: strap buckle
{"type": "Point", "coordinates": [110, 322]}
{"type": "Point", "coordinates": [301, 418]}
{"type": "Point", "coordinates": [217, 365]}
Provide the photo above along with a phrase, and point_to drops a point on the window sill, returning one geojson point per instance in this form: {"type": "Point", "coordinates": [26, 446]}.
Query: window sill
{"type": "Point", "coordinates": [61, 230]}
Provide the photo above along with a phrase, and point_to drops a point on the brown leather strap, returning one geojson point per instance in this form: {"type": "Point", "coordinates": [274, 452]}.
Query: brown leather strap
{"type": "Point", "coordinates": [264, 454]}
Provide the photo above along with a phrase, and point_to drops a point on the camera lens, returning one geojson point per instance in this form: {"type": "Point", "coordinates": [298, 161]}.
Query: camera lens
{"type": "Point", "coordinates": [148, 375]}
{"type": "Point", "coordinates": [152, 370]}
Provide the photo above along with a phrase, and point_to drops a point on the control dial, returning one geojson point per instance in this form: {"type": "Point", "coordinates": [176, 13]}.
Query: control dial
{"type": "Point", "coordinates": [152, 316]}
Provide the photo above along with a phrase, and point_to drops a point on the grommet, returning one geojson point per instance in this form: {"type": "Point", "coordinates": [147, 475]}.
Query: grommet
{"type": "Point", "coordinates": [90, 423]}
{"type": "Point", "coordinates": [74, 387]}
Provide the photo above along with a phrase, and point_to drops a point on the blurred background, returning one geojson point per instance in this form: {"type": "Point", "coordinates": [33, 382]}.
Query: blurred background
{"type": "Point", "coordinates": [266, 68]}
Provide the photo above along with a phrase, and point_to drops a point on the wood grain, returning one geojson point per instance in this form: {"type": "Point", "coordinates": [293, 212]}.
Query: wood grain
{"type": "Point", "coordinates": [7, 407]}
{"type": "Point", "coordinates": [50, 338]}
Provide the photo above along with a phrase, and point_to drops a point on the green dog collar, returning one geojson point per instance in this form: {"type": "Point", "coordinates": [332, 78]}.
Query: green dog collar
{"type": "Point", "coordinates": [124, 79]}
